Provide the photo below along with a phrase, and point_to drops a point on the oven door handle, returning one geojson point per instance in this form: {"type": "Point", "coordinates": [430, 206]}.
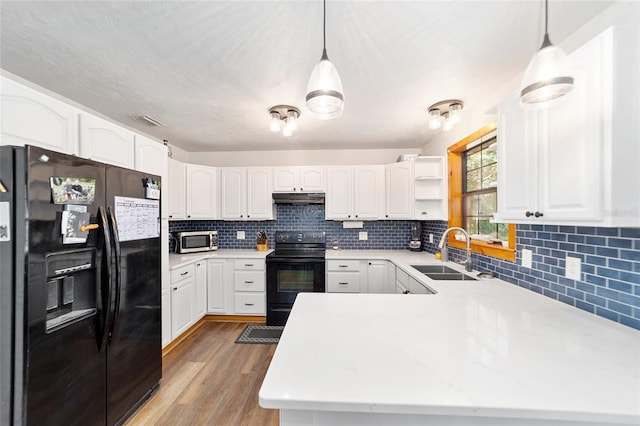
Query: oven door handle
{"type": "Point", "coordinates": [287, 260]}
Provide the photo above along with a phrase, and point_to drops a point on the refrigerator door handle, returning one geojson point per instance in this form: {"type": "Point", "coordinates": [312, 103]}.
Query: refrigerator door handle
{"type": "Point", "coordinates": [118, 275]}
{"type": "Point", "coordinates": [107, 285]}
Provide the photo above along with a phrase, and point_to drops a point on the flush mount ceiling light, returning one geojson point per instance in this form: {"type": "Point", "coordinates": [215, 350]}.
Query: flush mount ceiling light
{"type": "Point", "coordinates": [445, 114]}
{"type": "Point", "coordinates": [149, 121]}
{"type": "Point", "coordinates": [285, 118]}
{"type": "Point", "coordinates": [325, 98]}
{"type": "Point", "coordinates": [548, 75]}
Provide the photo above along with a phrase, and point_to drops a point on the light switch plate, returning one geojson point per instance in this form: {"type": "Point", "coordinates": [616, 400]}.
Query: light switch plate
{"type": "Point", "coordinates": [573, 268]}
{"type": "Point", "coordinates": [362, 235]}
{"type": "Point", "coordinates": [527, 258]}
{"type": "Point", "coordinates": [430, 238]}
{"type": "Point", "coordinates": [240, 235]}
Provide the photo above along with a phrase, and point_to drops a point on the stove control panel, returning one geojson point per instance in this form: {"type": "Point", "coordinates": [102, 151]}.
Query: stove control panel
{"type": "Point", "coordinates": [293, 237]}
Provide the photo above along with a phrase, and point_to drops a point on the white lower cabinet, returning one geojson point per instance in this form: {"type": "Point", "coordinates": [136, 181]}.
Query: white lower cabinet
{"type": "Point", "coordinates": [377, 277]}
{"type": "Point", "coordinates": [343, 276]}
{"type": "Point", "coordinates": [249, 287]}
{"type": "Point", "coordinates": [200, 291]}
{"type": "Point", "coordinates": [165, 297]}
{"type": "Point", "coordinates": [216, 286]}
{"type": "Point", "coordinates": [182, 298]}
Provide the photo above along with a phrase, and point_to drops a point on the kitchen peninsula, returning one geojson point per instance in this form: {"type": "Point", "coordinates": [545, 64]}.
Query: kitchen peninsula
{"type": "Point", "coordinates": [475, 352]}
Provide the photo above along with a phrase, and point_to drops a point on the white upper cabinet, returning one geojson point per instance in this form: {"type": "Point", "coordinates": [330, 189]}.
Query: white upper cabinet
{"type": "Point", "coordinates": [299, 179]}
{"type": "Point", "coordinates": [399, 185]}
{"type": "Point", "coordinates": [201, 192]}
{"type": "Point", "coordinates": [260, 204]}
{"type": "Point", "coordinates": [354, 193]}
{"type": "Point", "coordinates": [151, 156]}
{"type": "Point", "coordinates": [101, 140]}
{"type": "Point", "coordinates": [245, 193]}
{"type": "Point", "coordinates": [32, 118]}
{"type": "Point", "coordinates": [577, 161]}
{"type": "Point", "coordinates": [430, 188]}
{"type": "Point", "coordinates": [177, 189]}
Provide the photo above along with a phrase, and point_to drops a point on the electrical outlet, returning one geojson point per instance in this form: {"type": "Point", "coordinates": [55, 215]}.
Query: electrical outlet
{"type": "Point", "coordinates": [240, 235]}
{"type": "Point", "coordinates": [430, 238]}
{"type": "Point", "coordinates": [573, 268]}
{"type": "Point", "coordinates": [527, 258]}
{"type": "Point", "coordinates": [362, 235]}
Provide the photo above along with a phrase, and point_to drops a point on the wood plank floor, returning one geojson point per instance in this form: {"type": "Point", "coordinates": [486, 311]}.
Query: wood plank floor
{"type": "Point", "coordinates": [210, 380]}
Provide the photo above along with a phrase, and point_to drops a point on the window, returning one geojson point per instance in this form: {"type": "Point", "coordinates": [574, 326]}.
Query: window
{"type": "Point", "coordinates": [473, 193]}
{"type": "Point", "coordinates": [480, 190]}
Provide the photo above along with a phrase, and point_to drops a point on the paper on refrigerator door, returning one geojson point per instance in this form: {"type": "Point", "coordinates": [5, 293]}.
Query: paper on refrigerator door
{"type": "Point", "coordinates": [5, 222]}
{"type": "Point", "coordinates": [137, 218]}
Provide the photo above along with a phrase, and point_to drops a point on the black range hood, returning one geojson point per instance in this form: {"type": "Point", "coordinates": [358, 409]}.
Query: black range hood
{"type": "Point", "coordinates": [298, 197]}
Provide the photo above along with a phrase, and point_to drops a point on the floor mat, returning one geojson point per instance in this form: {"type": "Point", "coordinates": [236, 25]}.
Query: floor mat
{"type": "Point", "coordinates": [267, 334]}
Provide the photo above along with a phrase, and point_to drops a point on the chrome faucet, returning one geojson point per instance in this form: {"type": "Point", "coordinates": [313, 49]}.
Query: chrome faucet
{"type": "Point", "coordinates": [444, 251]}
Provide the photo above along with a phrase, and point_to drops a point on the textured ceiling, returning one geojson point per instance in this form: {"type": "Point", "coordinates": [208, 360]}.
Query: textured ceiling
{"type": "Point", "coordinates": [210, 70]}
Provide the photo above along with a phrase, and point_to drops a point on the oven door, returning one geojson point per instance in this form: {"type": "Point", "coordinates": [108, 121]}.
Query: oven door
{"type": "Point", "coordinates": [286, 277]}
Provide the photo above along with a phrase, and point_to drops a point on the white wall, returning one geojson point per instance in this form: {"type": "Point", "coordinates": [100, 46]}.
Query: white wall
{"type": "Point", "coordinates": [298, 157]}
{"type": "Point", "coordinates": [620, 13]}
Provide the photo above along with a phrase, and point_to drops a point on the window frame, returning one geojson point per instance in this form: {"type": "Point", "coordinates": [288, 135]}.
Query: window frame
{"type": "Point", "coordinates": [455, 184]}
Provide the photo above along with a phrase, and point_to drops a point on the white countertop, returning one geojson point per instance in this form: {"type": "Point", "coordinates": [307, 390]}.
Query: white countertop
{"type": "Point", "coordinates": [178, 260]}
{"type": "Point", "coordinates": [475, 348]}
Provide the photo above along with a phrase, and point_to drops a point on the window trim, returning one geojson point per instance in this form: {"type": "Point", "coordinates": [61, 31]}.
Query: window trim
{"type": "Point", "coordinates": [454, 154]}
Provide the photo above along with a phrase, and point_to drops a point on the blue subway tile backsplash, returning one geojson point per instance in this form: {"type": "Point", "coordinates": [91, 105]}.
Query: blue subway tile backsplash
{"type": "Point", "coordinates": [610, 279]}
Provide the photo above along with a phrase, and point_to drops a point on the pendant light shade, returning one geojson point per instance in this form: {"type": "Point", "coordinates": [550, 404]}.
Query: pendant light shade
{"type": "Point", "coordinates": [548, 75]}
{"type": "Point", "coordinates": [325, 98]}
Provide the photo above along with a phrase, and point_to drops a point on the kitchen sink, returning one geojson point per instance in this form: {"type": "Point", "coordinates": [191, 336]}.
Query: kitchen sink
{"type": "Point", "coordinates": [441, 272]}
{"type": "Point", "coordinates": [450, 276]}
{"type": "Point", "coordinates": [438, 269]}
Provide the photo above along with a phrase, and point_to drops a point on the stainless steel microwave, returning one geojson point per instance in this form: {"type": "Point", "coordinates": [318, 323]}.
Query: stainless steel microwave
{"type": "Point", "coordinates": [195, 241]}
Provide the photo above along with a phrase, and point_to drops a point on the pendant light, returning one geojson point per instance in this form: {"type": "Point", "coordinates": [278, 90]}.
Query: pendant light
{"type": "Point", "coordinates": [548, 75]}
{"type": "Point", "coordinates": [325, 98]}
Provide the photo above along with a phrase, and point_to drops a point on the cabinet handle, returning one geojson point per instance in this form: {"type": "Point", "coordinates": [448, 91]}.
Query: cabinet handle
{"type": "Point", "coordinates": [528, 213]}
{"type": "Point", "coordinates": [356, 215]}
{"type": "Point", "coordinates": [175, 288]}
{"type": "Point", "coordinates": [240, 216]}
{"type": "Point", "coordinates": [188, 215]}
{"type": "Point", "coordinates": [248, 264]}
{"type": "Point", "coordinates": [301, 189]}
{"type": "Point", "coordinates": [248, 304]}
{"type": "Point", "coordinates": [184, 273]}
{"type": "Point", "coordinates": [538, 214]}
{"type": "Point", "coordinates": [248, 282]}
{"type": "Point", "coordinates": [405, 292]}
{"type": "Point", "coordinates": [343, 283]}
{"type": "Point", "coordinates": [248, 216]}
{"type": "Point", "coordinates": [369, 263]}
{"type": "Point", "coordinates": [386, 215]}
{"type": "Point", "coordinates": [343, 266]}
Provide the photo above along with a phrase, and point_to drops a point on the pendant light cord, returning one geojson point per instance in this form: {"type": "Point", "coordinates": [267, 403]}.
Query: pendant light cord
{"type": "Point", "coordinates": [324, 31]}
{"type": "Point", "coordinates": [546, 42]}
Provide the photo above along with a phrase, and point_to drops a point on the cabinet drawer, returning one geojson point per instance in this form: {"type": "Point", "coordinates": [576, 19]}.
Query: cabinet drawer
{"type": "Point", "coordinates": [182, 272]}
{"type": "Point", "coordinates": [250, 303]}
{"type": "Point", "coordinates": [250, 264]}
{"type": "Point", "coordinates": [343, 265]}
{"type": "Point", "coordinates": [402, 277]}
{"type": "Point", "coordinates": [343, 282]}
{"type": "Point", "coordinates": [248, 281]}
{"type": "Point", "coordinates": [417, 287]}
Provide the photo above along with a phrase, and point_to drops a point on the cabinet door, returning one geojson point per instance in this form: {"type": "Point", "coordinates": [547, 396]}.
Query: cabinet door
{"type": "Point", "coordinates": [377, 276]}
{"type": "Point", "coordinates": [399, 190]}
{"type": "Point", "coordinates": [312, 179]}
{"type": "Point", "coordinates": [101, 140]}
{"type": "Point", "coordinates": [233, 194]}
{"type": "Point", "coordinates": [166, 317]}
{"type": "Point", "coordinates": [285, 179]}
{"type": "Point", "coordinates": [201, 192]}
{"type": "Point", "coordinates": [215, 287]}
{"type": "Point", "coordinates": [259, 189]}
{"type": "Point", "coordinates": [367, 192]}
{"type": "Point", "coordinates": [181, 307]}
{"type": "Point", "coordinates": [150, 156]}
{"type": "Point", "coordinates": [339, 197]}
{"type": "Point", "coordinates": [200, 291]}
{"type": "Point", "coordinates": [571, 160]}
{"type": "Point", "coordinates": [177, 187]}
{"type": "Point", "coordinates": [30, 117]}
{"type": "Point", "coordinates": [517, 164]}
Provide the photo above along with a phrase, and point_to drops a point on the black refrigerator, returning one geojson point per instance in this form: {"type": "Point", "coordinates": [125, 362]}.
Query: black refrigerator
{"type": "Point", "coordinates": [80, 320]}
